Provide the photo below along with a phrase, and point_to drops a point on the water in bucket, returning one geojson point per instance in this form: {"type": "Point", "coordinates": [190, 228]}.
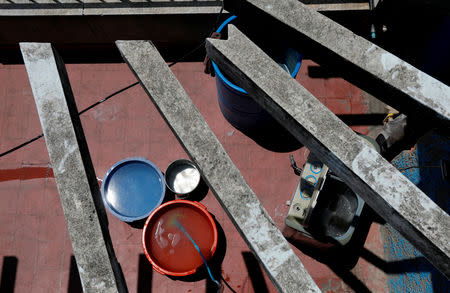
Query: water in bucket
{"type": "Point", "coordinates": [171, 248]}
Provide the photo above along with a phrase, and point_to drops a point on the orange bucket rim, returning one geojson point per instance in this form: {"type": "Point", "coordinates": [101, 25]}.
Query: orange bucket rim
{"type": "Point", "coordinates": [197, 205]}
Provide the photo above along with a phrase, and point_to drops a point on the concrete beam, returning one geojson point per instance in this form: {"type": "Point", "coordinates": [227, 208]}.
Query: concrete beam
{"type": "Point", "coordinates": [137, 7]}
{"type": "Point", "coordinates": [385, 189]}
{"type": "Point", "coordinates": [238, 200]}
{"type": "Point", "coordinates": [74, 173]}
{"type": "Point", "coordinates": [377, 71]}
{"type": "Point", "coordinates": [100, 7]}
{"type": "Point", "coordinates": [339, 6]}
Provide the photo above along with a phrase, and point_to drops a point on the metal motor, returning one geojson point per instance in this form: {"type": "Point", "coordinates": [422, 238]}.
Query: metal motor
{"type": "Point", "coordinates": [322, 205]}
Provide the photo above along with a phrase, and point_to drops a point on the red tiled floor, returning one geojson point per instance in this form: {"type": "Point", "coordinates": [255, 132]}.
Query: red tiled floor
{"type": "Point", "coordinates": [31, 198]}
{"type": "Point", "coordinates": [25, 249]}
{"type": "Point", "coordinates": [8, 201]}
{"type": "Point", "coordinates": [67, 253]}
{"type": "Point", "coordinates": [50, 254]}
{"type": "Point", "coordinates": [7, 231]}
{"type": "Point", "coordinates": [46, 281]}
{"type": "Point", "coordinates": [315, 86]}
{"type": "Point", "coordinates": [339, 106]}
{"type": "Point", "coordinates": [51, 200]}
{"type": "Point", "coordinates": [337, 88]}
{"type": "Point", "coordinates": [32, 222]}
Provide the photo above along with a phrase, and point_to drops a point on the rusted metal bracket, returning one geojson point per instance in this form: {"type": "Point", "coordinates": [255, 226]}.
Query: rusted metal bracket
{"type": "Point", "coordinates": [227, 183]}
{"type": "Point", "coordinates": [385, 189]}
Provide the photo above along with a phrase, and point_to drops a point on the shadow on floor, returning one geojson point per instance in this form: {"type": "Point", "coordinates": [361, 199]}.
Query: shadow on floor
{"type": "Point", "coordinates": [393, 267]}
{"type": "Point", "coordinates": [362, 119]}
{"type": "Point", "coordinates": [424, 166]}
{"type": "Point", "coordinates": [145, 275]}
{"type": "Point", "coordinates": [340, 259]}
{"type": "Point", "coordinates": [199, 192]}
{"type": "Point", "coordinates": [74, 285]}
{"type": "Point", "coordinates": [255, 273]}
{"type": "Point", "coordinates": [197, 195]}
{"type": "Point", "coordinates": [9, 271]}
{"type": "Point", "coordinates": [316, 71]}
{"type": "Point", "coordinates": [273, 137]}
{"type": "Point", "coordinates": [138, 224]}
{"type": "Point", "coordinates": [276, 138]}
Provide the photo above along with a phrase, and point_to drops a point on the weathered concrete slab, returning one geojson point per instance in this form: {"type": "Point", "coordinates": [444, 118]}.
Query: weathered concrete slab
{"type": "Point", "coordinates": [100, 7]}
{"type": "Point", "coordinates": [139, 7]}
{"type": "Point", "coordinates": [136, 7]}
{"type": "Point", "coordinates": [339, 6]}
{"type": "Point", "coordinates": [74, 174]}
{"type": "Point", "coordinates": [379, 72]}
{"type": "Point", "coordinates": [225, 180]}
{"type": "Point", "coordinates": [385, 189]}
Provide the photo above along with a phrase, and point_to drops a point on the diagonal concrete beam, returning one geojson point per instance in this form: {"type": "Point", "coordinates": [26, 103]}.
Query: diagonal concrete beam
{"type": "Point", "coordinates": [377, 71]}
{"type": "Point", "coordinates": [241, 204]}
{"type": "Point", "coordinates": [385, 189]}
{"type": "Point", "coordinates": [74, 174]}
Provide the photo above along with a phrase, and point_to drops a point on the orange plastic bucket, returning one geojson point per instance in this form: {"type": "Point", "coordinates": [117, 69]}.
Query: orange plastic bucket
{"type": "Point", "coordinates": [167, 248]}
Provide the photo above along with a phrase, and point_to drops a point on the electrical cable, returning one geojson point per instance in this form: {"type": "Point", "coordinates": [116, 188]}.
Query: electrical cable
{"type": "Point", "coordinates": [108, 97]}
{"type": "Point", "coordinates": [21, 145]}
{"type": "Point", "coordinates": [119, 91]}
{"type": "Point", "coordinates": [228, 285]}
{"type": "Point", "coordinates": [202, 43]}
{"type": "Point", "coordinates": [187, 54]}
{"type": "Point", "coordinates": [179, 226]}
{"type": "Point", "coordinates": [79, 113]}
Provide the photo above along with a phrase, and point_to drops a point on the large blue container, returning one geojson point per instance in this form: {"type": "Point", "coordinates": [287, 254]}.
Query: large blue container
{"type": "Point", "coordinates": [236, 105]}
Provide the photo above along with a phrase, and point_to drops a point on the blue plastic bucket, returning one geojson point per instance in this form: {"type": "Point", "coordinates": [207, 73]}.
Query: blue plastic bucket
{"type": "Point", "coordinates": [132, 188]}
{"type": "Point", "coordinates": [236, 105]}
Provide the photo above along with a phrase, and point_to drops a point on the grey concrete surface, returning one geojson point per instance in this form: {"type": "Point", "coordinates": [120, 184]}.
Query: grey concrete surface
{"type": "Point", "coordinates": [74, 173]}
{"type": "Point", "coordinates": [227, 183]}
{"type": "Point", "coordinates": [99, 7]}
{"type": "Point", "coordinates": [136, 7]}
{"type": "Point", "coordinates": [368, 174]}
{"type": "Point", "coordinates": [391, 79]}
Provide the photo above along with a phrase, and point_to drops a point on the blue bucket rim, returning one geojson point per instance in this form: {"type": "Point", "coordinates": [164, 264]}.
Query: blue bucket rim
{"type": "Point", "coordinates": [229, 83]}
{"type": "Point", "coordinates": [106, 179]}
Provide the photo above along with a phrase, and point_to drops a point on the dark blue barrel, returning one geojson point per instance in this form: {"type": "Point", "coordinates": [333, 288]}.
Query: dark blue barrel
{"type": "Point", "coordinates": [236, 105]}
